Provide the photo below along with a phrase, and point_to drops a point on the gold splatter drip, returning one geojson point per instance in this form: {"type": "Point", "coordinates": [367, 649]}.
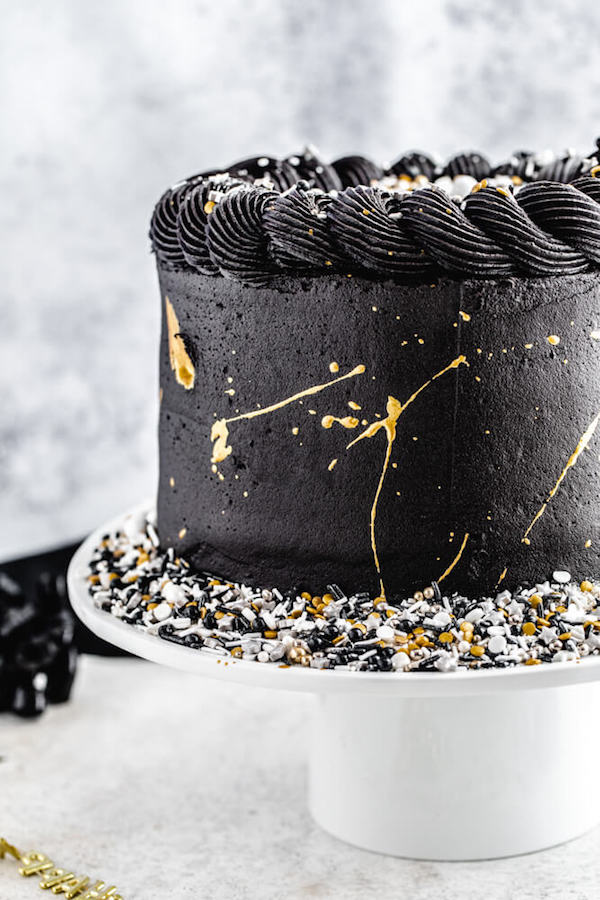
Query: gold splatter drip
{"type": "Point", "coordinates": [456, 559]}
{"type": "Point", "coordinates": [581, 445]}
{"type": "Point", "coordinates": [219, 432]}
{"type": "Point", "coordinates": [394, 409]}
{"type": "Point", "coordinates": [181, 364]}
{"type": "Point", "coordinates": [345, 422]}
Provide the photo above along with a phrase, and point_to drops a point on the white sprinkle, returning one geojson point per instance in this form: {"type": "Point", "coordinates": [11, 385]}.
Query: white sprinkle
{"type": "Point", "coordinates": [162, 612]}
{"type": "Point", "coordinates": [561, 577]}
{"type": "Point", "coordinates": [497, 644]}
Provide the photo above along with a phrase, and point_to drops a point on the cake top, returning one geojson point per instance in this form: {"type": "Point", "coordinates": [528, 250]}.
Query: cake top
{"type": "Point", "coordinates": [533, 215]}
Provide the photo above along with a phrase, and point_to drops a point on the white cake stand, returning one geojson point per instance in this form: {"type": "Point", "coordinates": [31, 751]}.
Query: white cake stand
{"type": "Point", "coordinates": [453, 766]}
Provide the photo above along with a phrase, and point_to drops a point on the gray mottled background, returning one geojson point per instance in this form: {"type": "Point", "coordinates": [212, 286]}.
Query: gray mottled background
{"type": "Point", "coordinates": [105, 102]}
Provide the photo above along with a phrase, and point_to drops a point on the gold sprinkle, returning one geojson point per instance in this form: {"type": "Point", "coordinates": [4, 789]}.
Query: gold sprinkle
{"type": "Point", "coordinates": [209, 206]}
{"type": "Point", "coordinates": [182, 533]}
{"type": "Point", "coordinates": [595, 171]}
{"type": "Point", "coordinates": [464, 316]}
{"type": "Point", "coordinates": [587, 544]}
{"type": "Point", "coordinates": [332, 464]}
{"type": "Point", "coordinates": [477, 650]}
{"type": "Point", "coordinates": [528, 628]}
{"type": "Point", "coordinates": [334, 367]}
{"type": "Point", "coordinates": [586, 586]}
{"type": "Point", "coordinates": [295, 429]}
{"type": "Point", "coordinates": [172, 481]}
{"type": "Point", "coordinates": [553, 339]}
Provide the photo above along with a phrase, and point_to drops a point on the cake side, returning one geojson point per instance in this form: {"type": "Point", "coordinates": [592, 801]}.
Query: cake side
{"type": "Point", "coordinates": [284, 462]}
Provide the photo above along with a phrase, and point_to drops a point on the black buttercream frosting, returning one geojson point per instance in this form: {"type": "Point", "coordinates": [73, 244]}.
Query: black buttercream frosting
{"type": "Point", "coordinates": [414, 164]}
{"type": "Point", "coordinates": [237, 241]}
{"type": "Point", "coordinates": [535, 252]}
{"type": "Point", "coordinates": [474, 455]}
{"type": "Point", "coordinates": [298, 226]}
{"type": "Point", "coordinates": [355, 170]}
{"type": "Point", "coordinates": [366, 223]}
{"type": "Point", "coordinates": [455, 243]}
{"type": "Point", "coordinates": [566, 213]}
{"type": "Point", "coordinates": [473, 164]}
{"type": "Point", "coordinates": [194, 210]}
{"type": "Point", "coordinates": [302, 213]}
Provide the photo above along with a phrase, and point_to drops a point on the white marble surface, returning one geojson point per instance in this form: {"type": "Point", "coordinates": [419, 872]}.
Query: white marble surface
{"type": "Point", "coordinates": [172, 786]}
{"type": "Point", "coordinates": [105, 103]}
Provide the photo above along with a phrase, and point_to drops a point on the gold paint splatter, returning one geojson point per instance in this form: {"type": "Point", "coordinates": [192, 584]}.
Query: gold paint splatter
{"type": "Point", "coordinates": [332, 464]}
{"type": "Point", "coordinates": [354, 405]}
{"type": "Point", "coordinates": [295, 429]}
{"type": "Point", "coordinates": [345, 422]}
{"type": "Point", "coordinates": [181, 364]}
{"type": "Point", "coordinates": [466, 317]}
{"type": "Point", "coordinates": [394, 409]}
{"type": "Point", "coordinates": [456, 559]}
{"type": "Point", "coordinates": [182, 533]}
{"type": "Point", "coordinates": [230, 391]}
{"type": "Point", "coordinates": [334, 367]}
{"type": "Point", "coordinates": [219, 432]}
{"type": "Point", "coordinates": [528, 346]}
{"type": "Point", "coordinates": [245, 493]}
{"type": "Point", "coordinates": [553, 339]}
{"type": "Point", "coordinates": [581, 445]}
{"type": "Point", "coordinates": [172, 481]}
{"type": "Point", "coordinates": [587, 544]}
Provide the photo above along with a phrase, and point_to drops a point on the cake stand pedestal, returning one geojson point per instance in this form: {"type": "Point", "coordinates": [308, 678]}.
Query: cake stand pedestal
{"type": "Point", "coordinates": [455, 766]}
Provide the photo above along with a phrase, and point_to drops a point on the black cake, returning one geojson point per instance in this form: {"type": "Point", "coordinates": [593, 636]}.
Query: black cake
{"type": "Point", "coordinates": [379, 377]}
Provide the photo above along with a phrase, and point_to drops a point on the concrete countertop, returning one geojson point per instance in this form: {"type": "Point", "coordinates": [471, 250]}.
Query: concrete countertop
{"type": "Point", "coordinates": [168, 785]}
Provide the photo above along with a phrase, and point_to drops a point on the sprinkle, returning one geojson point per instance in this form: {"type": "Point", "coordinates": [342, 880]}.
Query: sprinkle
{"type": "Point", "coordinates": [553, 339]}
{"type": "Point", "coordinates": [157, 591]}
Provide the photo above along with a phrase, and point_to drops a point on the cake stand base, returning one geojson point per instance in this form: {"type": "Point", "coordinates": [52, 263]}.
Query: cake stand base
{"type": "Point", "coordinates": [457, 766]}
{"type": "Point", "coordinates": [456, 778]}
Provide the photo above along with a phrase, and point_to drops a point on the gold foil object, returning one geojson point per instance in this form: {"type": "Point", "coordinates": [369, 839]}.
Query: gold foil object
{"type": "Point", "coordinates": [55, 879]}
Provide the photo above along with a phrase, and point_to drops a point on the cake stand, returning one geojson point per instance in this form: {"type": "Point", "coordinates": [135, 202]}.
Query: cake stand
{"type": "Point", "coordinates": [448, 766]}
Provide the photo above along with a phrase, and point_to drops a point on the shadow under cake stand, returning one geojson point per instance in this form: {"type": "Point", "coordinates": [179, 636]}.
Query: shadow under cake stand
{"type": "Point", "coordinates": [448, 766]}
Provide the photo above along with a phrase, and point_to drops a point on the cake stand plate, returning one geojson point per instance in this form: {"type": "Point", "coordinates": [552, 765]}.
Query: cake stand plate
{"type": "Point", "coordinates": [454, 766]}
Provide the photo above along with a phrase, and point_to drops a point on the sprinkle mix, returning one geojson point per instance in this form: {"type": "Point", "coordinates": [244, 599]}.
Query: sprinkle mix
{"type": "Point", "coordinates": [154, 590]}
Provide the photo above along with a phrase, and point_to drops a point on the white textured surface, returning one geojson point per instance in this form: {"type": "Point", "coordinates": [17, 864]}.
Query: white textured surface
{"type": "Point", "coordinates": [105, 103]}
{"type": "Point", "coordinates": [177, 787]}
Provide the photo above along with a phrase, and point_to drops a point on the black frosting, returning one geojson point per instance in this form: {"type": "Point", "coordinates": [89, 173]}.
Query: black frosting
{"type": "Point", "coordinates": [355, 170]}
{"type": "Point", "coordinates": [310, 167]}
{"type": "Point", "coordinates": [476, 453]}
{"type": "Point", "coordinates": [455, 243]}
{"type": "Point", "coordinates": [237, 242]}
{"type": "Point", "coordinates": [534, 251]}
{"type": "Point", "coordinates": [414, 164]}
{"type": "Point", "coordinates": [473, 164]}
{"type": "Point", "coordinates": [302, 214]}
{"type": "Point", "coordinates": [565, 212]}
{"type": "Point", "coordinates": [365, 222]}
{"type": "Point", "coordinates": [298, 226]}
{"type": "Point", "coordinates": [279, 172]}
